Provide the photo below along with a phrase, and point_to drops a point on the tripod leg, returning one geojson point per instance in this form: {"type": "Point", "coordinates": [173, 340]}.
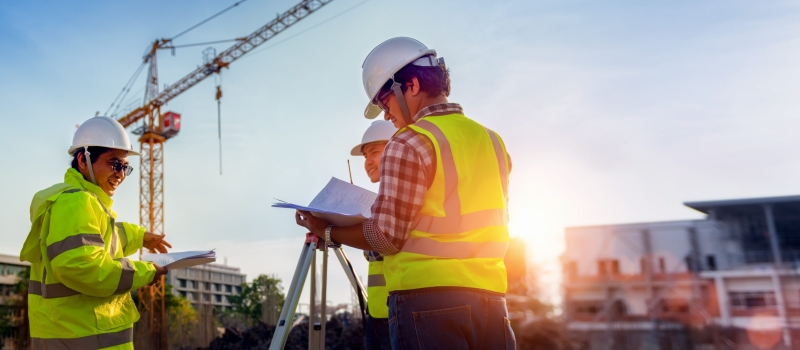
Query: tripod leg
{"type": "Point", "coordinates": [313, 330]}
{"type": "Point", "coordinates": [324, 304]}
{"type": "Point", "coordinates": [292, 298]}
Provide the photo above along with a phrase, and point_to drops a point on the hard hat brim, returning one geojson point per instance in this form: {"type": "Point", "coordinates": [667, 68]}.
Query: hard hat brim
{"type": "Point", "coordinates": [372, 111]}
{"type": "Point", "coordinates": [72, 149]}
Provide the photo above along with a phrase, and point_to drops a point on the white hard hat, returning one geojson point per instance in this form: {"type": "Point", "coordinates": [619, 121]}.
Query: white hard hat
{"type": "Point", "coordinates": [380, 130]}
{"type": "Point", "coordinates": [385, 60]}
{"type": "Point", "coordinates": [101, 132]}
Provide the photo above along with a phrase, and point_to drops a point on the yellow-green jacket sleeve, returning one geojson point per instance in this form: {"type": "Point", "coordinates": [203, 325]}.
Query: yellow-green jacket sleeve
{"type": "Point", "coordinates": [78, 246]}
{"type": "Point", "coordinates": [131, 236]}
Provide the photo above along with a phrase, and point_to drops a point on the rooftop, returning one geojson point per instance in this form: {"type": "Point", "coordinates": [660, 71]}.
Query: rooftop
{"type": "Point", "coordinates": [705, 206]}
{"type": "Point", "coordinates": [13, 260]}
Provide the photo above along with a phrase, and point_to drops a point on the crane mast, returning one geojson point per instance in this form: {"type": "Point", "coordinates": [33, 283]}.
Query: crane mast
{"type": "Point", "coordinates": [148, 122]}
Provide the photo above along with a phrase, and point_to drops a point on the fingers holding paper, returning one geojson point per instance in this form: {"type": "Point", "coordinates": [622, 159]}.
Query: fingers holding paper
{"type": "Point", "coordinates": [314, 224]}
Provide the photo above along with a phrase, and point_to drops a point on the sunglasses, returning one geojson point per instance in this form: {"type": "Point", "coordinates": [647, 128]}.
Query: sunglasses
{"type": "Point", "coordinates": [380, 99]}
{"type": "Point", "coordinates": [119, 167]}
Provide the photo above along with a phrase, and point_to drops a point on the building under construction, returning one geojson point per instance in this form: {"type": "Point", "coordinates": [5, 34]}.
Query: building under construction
{"type": "Point", "coordinates": [730, 280]}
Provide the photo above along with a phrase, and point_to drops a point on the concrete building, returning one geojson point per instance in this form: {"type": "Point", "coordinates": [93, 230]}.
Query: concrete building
{"type": "Point", "coordinates": [737, 268]}
{"type": "Point", "coordinates": [208, 284]}
{"type": "Point", "coordinates": [10, 266]}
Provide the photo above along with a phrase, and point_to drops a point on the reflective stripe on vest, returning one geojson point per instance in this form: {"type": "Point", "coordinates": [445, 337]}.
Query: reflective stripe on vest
{"type": "Point", "coordinates": [59, 290]}
{"type": "Point", "coordinates": [376, 281]}
{"type": "Point", "coordinates": [98, 341]}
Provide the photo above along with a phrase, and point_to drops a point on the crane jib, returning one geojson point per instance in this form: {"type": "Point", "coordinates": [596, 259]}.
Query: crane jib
{"type": "Point", "coordinates": [255, 39]}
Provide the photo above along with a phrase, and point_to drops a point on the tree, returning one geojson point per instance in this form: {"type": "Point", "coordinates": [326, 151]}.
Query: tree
{"type": "Point", "coordinates": [249, 304]}
{"type": "Point", "coordinates": [182, 321]}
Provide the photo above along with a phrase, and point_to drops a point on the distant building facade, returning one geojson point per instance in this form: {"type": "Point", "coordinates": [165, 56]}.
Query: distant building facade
{"type": "Point", "coordinates": [737, 268]}
{"type": "Point", "coordinates": [10, 267]}
{"type": "Point", "coordinates": [208, 284]}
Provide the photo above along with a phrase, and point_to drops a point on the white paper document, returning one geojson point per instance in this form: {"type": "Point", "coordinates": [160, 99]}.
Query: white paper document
{"type": "Point", "coordinates": [340, 203]}
{"type": "Point", "coordinates": [181, 260]}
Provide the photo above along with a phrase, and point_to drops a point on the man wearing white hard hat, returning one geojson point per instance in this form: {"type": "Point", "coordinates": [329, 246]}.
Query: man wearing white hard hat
{"type": "Point", "coordinates": [80, 282]}
{"type": "Point", "coordinates": [441, 217]}
{"type": "Point", "coordinates": [376, 332]}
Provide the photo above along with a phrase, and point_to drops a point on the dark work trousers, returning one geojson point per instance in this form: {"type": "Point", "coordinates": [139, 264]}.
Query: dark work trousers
{"type": "Point", "coordinates": [376, 334]}
{"type": "Point", "coordinates": [449, 318]}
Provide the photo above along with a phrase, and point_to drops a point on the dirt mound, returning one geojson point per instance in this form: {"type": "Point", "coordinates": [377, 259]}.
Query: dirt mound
{"type": "Point", "coordinates": [259, 337]}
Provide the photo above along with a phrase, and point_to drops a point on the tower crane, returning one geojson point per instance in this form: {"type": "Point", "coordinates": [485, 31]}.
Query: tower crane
{"type": "Point", "coordinates": [155, 128]}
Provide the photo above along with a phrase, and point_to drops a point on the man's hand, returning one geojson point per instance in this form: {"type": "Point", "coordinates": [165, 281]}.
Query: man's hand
{"type": "Point", "coordinates": [312, 223]}
{"type": "Point", "coordinates": [154, 242]}
{"type": "Point", "coordinates": [160, 271]}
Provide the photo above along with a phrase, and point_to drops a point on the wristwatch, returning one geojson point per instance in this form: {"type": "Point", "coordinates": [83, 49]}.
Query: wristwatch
{"type": "Point", "coordinates": [328, 241]}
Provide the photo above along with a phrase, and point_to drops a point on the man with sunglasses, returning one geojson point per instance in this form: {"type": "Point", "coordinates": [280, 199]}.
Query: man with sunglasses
{"type": "Point", "coordinates": [80, 282]}
{"type": "Point", "coordinates": [440, 220]}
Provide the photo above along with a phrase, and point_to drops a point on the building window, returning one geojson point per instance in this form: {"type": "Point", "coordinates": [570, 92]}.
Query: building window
{"type": "Point", "coordinates": [190, 296]}
{"type": "Point", "coordinates": [588, 307]}
{"type": "Point", "coordinates": [208, 286]}
{"type": "Point", "coordinates": [608, 266]}
{"type": "Point", "coordinates": [217, 287]}
{"type": "Point", "coordinates": [662, 265]}
{"type": "Point", "coordinates": [228, 288]}
{"type": "Point", "coordinates": [238, 290]}
{"type": "Point", "coordinates": [711, 262]}
{"type": "Point", "coordinates": [182, 293]}
{"type": "Point", "coordinates": [752, 300]}
{"type": "Point", "coordinates": [182, 283]}
{"type": "Point", "coordinates": [207, 297]}
{"type": "Point", "coordinates": [218, 298]}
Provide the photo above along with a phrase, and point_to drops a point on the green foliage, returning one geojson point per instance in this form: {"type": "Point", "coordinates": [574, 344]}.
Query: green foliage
{"type": "Point", "coordinates": [250, 302]}
{"type": "Point", "coordinates": [182, 320]}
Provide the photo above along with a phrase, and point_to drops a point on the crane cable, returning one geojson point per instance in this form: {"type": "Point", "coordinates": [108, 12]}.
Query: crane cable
{"type": "Point", "coordinates": [219, 117]}
{"type": "Point", "coordinates": [125, 90]}
{"type": "Point", "coordinates": [307, 29]}
{"type": "Point", "coordinates": [207, 19]}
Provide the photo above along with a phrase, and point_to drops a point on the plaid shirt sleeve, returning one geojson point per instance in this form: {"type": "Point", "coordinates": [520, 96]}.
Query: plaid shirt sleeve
{"type": "Point", "coordinates": [407, 168]}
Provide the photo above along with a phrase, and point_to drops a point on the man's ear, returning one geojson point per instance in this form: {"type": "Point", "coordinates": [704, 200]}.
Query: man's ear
{"type": "Point", "coordinates": [81, 161]}
{"type": "Point", "coordinates": [413, 86]}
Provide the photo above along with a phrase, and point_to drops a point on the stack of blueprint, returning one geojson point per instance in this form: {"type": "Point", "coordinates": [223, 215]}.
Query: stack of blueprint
{"type": "Point", "coordinates": [182, 260]}
{"type": "Point", "coordinates": [340, 203]}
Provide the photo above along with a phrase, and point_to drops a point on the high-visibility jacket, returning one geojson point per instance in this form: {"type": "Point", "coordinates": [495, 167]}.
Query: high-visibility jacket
{"type": "Point", "coordinates": [79, 292]}
{"type": "Point", "coordinates": [460, 235]}
{"type": "Point", "coordinates": [377, 293]}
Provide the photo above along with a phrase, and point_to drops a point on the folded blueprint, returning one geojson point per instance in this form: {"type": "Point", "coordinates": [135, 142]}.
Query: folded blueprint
{"type": "Point", "coordinates": [340, 203]}
{"type": "Point", "coordinates": [181, 260]}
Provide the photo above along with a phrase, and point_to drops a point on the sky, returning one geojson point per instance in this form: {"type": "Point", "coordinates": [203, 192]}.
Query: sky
{"type": "Point", "coordinates": [613, 111]}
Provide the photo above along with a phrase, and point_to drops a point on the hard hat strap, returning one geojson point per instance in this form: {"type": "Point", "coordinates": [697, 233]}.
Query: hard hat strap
{"type": "Point", "coordinates": [401, 100]}
{"type": "Point", "coordinates": [88, 157]}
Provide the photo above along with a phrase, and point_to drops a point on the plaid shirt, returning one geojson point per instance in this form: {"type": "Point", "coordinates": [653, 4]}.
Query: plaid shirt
{"type": "Point", "coordinates": [407, 169]}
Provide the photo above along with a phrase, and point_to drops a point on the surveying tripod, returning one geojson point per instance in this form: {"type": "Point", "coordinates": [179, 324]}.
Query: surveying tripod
{"type": "Point", "coordinates": [316, 326]}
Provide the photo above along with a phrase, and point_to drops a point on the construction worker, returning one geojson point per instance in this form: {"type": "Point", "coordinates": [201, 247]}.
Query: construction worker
{"type": "Point", "coordinates": [440, 220]}
{"type": "Point", "coordinates": [376, 332]}
{"type": "Point", "coordinates": [79, 292]}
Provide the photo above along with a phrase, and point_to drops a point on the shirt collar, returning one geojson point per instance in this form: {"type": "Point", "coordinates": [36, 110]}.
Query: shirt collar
{"type": "Point", "coordinates": [75, 178]}
{"type": "Point", "coordinates": [439, 108]}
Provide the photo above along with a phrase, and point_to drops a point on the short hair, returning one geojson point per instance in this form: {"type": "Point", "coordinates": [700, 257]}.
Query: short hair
{"type": "Point", "coordinates": [96, 152]}
{"type": "Point", "coordinates": [433, 81]}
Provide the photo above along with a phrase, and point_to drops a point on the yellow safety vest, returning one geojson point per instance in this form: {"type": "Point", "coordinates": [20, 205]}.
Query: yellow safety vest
{"type": "Point", "coordinates": [460, 235]}
{"type": "Point", "coordinates": [79, 290]}
{"type": "Point", "coordinates": [377, 293]}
